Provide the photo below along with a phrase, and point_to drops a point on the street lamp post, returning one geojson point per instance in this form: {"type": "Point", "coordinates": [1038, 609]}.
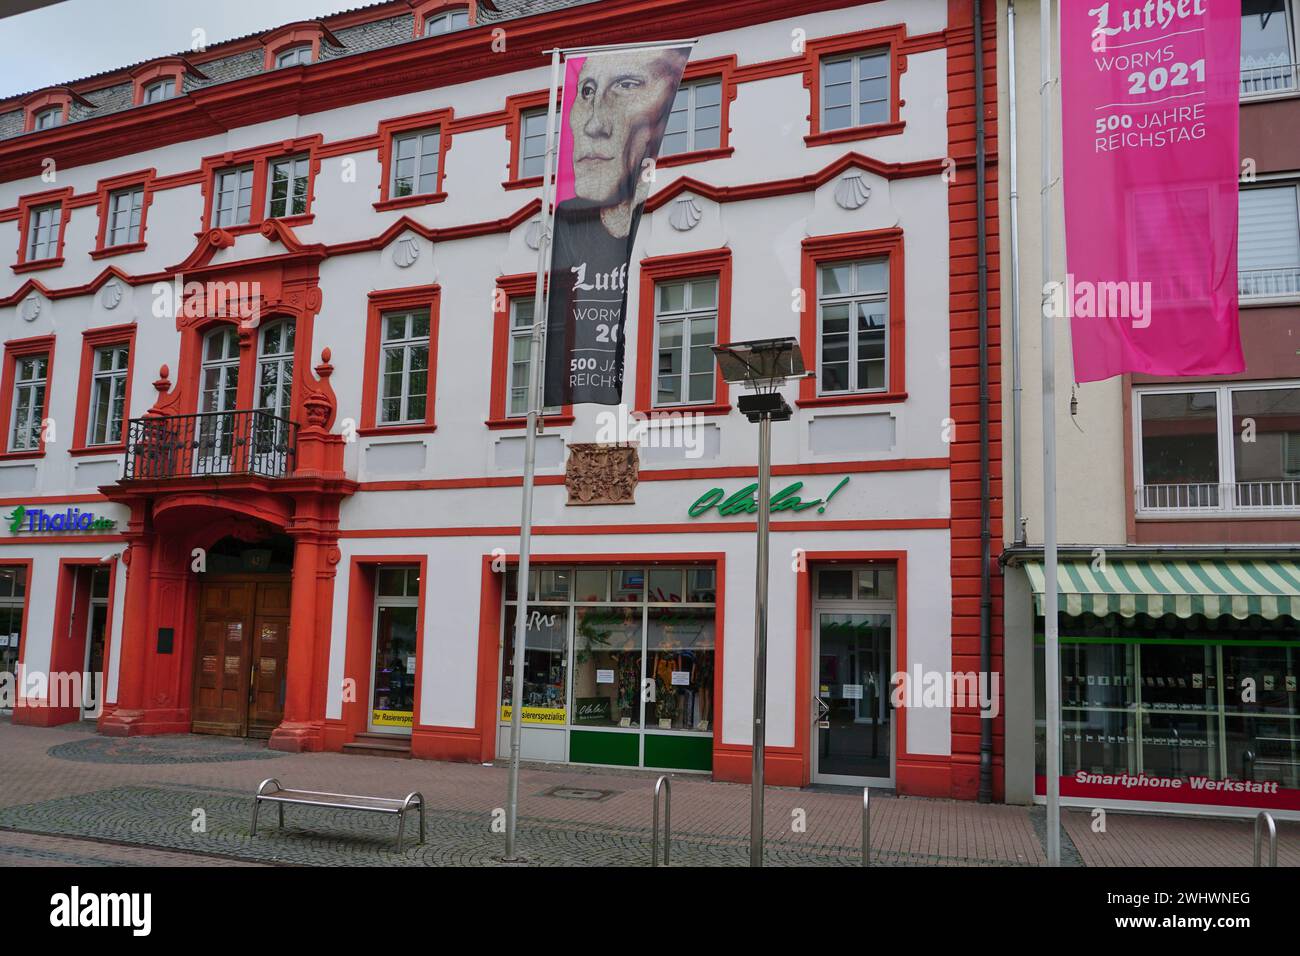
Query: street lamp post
{"type": "Point", "coordinates": [762, 366]}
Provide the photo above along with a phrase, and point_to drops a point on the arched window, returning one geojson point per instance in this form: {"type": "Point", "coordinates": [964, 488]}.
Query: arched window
{"type": "Point", "coordinates": [447, 21]}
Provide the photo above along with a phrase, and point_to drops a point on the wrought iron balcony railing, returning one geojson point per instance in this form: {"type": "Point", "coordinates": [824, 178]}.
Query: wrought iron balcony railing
{"type": "Point", "coordinates": [246, 442]}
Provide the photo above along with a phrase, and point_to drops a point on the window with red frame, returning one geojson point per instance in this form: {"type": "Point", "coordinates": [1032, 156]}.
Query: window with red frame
{"type": "Point", "coordinates": [48, 118]}
{"type": "Point", "coordinates": [855, 89]}
{"type": "Point", "coordinates": [233, 200]}
{"type": "Point", "coordinates": [404, 367]}
{"type": "Point", "coordinates": [31, 384]}
{"type": "Point", "coordinates": [853, 326]}
{"type": "Point", "coordinates": [446, 21]}
{"type": "Point", "coordinates": [159, 90]}
{"type": "Point", "coordinates": [108, 377]}
{"type": "Point", "coordinates": [43, 229]}
{"type": "Point", "coordinates": [289, 178]}
{"type": "Point", "coordinates": [695, 121]}
{"type": "Point", "coordinates": [532, 143]}
{"type": "Point", "coordinates": [686, 326]}
{"type": "Point", "coordinates": [297, 55]}
{"type": "Point", "coordinates": [125, 212]}
{"type": "Point", "coordinates": [415, 163]}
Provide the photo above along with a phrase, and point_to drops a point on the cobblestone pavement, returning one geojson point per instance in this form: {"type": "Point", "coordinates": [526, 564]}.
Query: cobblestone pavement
{"type": "Point", "coordinates": [144, 793]}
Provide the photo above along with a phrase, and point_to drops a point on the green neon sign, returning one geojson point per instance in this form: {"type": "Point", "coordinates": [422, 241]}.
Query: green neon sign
{"type": "Point", "coordinates": [745, 501]}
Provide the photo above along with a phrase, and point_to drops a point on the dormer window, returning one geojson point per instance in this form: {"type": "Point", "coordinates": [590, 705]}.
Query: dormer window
{"type": "Point", "coordinates": [49, 118]}
{"type": "Point", "coordinates": [299, 55]}
{"type": "Point", "coordinates": [158, 91]}
{"type": "Point", "coordinates": [448, 21]}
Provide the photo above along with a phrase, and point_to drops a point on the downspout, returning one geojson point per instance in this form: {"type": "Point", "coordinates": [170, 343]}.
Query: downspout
{"type": "Point", "coordinates": [985, 793]}
{"type": "Point", "coordinates": [1013, 175]}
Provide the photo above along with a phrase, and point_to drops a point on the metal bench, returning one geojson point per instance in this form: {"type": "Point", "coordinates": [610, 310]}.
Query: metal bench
{"type": "Point", "coordinates": [340, 801]}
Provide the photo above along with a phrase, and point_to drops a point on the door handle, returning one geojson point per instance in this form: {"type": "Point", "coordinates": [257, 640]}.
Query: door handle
{"type": "Point", "coordinates": [820, 707]}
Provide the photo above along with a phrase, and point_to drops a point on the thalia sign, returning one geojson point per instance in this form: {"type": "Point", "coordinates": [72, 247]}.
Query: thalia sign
{"type": "Point", "coordinates": [41, 521]}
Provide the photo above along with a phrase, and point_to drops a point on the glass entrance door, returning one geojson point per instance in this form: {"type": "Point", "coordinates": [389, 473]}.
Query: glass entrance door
{"type": "Point", "coordinates": [394, 654]}
{"type": "Point", "coordinates": [853, 666]}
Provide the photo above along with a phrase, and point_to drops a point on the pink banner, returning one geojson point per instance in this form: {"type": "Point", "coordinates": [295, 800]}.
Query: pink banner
{"type": "Point", "coordinates": [1149, 92]}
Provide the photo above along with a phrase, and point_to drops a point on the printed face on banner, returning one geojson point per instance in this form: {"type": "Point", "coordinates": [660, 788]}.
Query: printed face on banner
{"type": "Point", "coordinates": [614, 111]}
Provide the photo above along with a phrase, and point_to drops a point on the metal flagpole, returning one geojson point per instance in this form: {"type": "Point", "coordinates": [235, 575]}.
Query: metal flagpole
{"type": "Point", "coordinates": [530, 461]}
{"type": "Point", "coordinates": [1051, 653]}
{"type": "Point", "coordinates": [760, 641]}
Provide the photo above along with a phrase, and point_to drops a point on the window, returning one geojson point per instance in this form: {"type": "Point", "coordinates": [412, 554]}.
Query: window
{"type": "Point", "coordinates": [404, 375]}
{"type": "Point", "coordinates": [125, 208]}
{"type": "Point", "coordinates": [521, 333]}
{"type": "Point", "coordinates": [218, 396]}
{"type": "Point", "coordinates": [1268, 242]}
{"type": "Point", "coordinates": [289, 178]}
{"type": "Point", "coordinates": [48, 118]}
{"type": "Point", "coordinates": [852, 325]}
{"type": "Point", "coordinates": [1218, 449]}
{"type": "Point", "coordinates": [234, 205]}
{"type": "Point", "coordinates": [686, 322]}
{"type": "Point", "coordinates": [13, 601]}
{"type": "Point", "coordinates": [532, 144]}
{"type": "Point", "coordinates": [31, 377]}
{"type": "Point", "coordinates": [43, 232]}
{"type": "Point", "coordinates": [108, 394]}
{"type": "Point", "coordinates": [395, 649]}
{"type": "Point", "coordinates": [447, 22]}
{"type": "Point", "coordinates": [855, 90]}
{"type": "Point", "coordinates": [1267, 51]}
{"type": "Point", "coordinates": [415, 163]}
{"type": "Point", "coordinates": [299, 55]}
{"type": "Point", "coordinates": [695, 121]}
{"type": "Point", "coordinates": [159, 90]}
{"type": "Point", "coordinates": [275, 368]}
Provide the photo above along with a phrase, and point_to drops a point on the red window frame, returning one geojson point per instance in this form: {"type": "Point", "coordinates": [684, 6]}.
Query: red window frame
{"type": "Point", "coordinates": [509, 288]}
{"type": "Point", "coordinates": [26, 205]}
{"type": "Point", "coordinates": [853, 245]}
{"type": "Point", "coordinates": [388, 130]}
{"type": "Point", "coordinates": [173, 70]}
{"type": "Point", "coordinates": [722, 69]}
{"type": "Point", "coordinates": [516, 107]}
{"type": "Point", "coordinates": [687, 265]}
{"type": "Point", "coordinates": [41, 102]}
{"type": "Point", "coordinates": [91, 341]}
{"type": "Point", "coordinates": [260, 158]}
{"type": "Point", "coordinates": [423, 9]}
{"type": "Point", "coordinates": [295, 34]}
{"type": "Point", "coordinates": [390, 300]}
{"type": "Point", "coordinates": [14, 350]}
{"type": "Point", "coordinates": [104, 190]}
{"type": "Point", "coordinates": [890, 38]}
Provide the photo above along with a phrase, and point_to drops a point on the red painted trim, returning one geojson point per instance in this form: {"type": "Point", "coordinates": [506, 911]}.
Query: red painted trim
{"type": "Point", "coordinates": [854, 245]}
{"type": "Point", "coordinates": [27, 593]}
{"type": "Point", "coordinates": [890, 38]}
{"type": "Point", "coordinates": [388, 129]}
{"type": "Point", "coordinates": [423, 9]}
{"type": "Point", "coordinates": [104, 190]}
{"type": "Point", "coordinates": [67, 641]}
{"type": "Point", "coordinates": [686, 265]}
{"type": "Point", "coordinates": [259, 157]}
{"type": "Point", "coordinates": [508, 288]}
{"type": "Point", "coordinates": [723, 68]}
{"type": "Point", "coordinates": [46, 99]}
{"type": "Point", "coordinates": [174, 68]}
{"type": "Point", "coordinates": [15, 349]}
{"type": "Point", "coordinates": [417, 297]}
{"type": "Point", "coordinates": [516, 107]}
{"type": "Point", "coordinates": [304, 33]}
{"type": "Point", "coordinates": [26, 206]}
{"type": "Point", "coordinates": [708, 527]}
{"type": "Point", "coordinates": [93, 339]}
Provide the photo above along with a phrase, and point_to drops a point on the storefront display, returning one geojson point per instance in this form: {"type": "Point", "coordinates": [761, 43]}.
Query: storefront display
{"type": "Point", "coordinates": [1196, 710]}
{"type": "Point", "coordinates": [13, 598]}
{"type": "Point", "coordinates": [396, 610]}
{"type": "Point", "coordinates": [642, 645]}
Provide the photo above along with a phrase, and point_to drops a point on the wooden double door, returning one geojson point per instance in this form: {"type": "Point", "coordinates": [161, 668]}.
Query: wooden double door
{"type": "Point", "coordinates": [241, 655]}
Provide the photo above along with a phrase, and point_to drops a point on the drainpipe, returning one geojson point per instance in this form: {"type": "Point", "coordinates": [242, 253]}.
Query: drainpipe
{"type": "Point", "coordinates": [1018, 530]}
{"type": "Point", "coordinates": [985, 793]}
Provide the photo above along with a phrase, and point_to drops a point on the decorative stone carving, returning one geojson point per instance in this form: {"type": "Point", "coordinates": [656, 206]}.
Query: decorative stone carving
{"type": "Point", "coordinates": [533, 235]}
{"type": "Point", "coordinates": [31, 308]}
{"type": "Point", "coordinates": [686, 214]}
{"type": "Point", "coordinates": [852, 191]}
{"type": "Point", "coordinates": [405, 251]}
{"type": "Point", "coordinates": [600, 474]}
{"type": "Point", "coordinates": [112, 294]}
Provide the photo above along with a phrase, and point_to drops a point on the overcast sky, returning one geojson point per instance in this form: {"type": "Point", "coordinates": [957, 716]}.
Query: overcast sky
{"type": "Point", "coordinates": [78, 38]}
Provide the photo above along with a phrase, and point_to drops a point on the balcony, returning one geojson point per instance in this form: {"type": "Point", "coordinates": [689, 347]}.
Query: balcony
{"type": "Point", "coordinates": [246, 442]}
{"type": "Point", "coordinates": [1212, 500]}
{"type": "Point", "coordinates": [1268, 283]}
{"type": "Point", "coordinates": [1270, 79]}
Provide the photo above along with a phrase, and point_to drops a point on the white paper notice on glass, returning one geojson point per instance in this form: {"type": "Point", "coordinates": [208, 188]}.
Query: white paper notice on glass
{"type": "Point", "coordinates": [604, 676]}
{"type": "Point", "coordinates": [410, 663]}
{"type": "Point", "coordinates": [681, 678]}
{"type": "Point", "coordinates": [852, 692]}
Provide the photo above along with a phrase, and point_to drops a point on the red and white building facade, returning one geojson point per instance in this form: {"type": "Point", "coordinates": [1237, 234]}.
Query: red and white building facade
{"type": "Point", "coordinates": [302, 526]}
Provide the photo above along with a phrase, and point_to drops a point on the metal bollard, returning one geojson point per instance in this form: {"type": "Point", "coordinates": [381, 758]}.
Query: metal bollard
{"type": "Point", "coordinates": [866, 826]}
{"type": "Point", "coordinates": [666, 785]}
{"type": "Point", "coordinates": [1266, 817]}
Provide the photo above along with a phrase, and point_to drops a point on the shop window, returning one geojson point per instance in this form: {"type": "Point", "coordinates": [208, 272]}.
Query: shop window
{"type": "Point", "coordinates": [642, 645]}
{"type": "Point", "coordinates": [853, 326]}
{"type": "Point", "coordinates": [233, 204]}
{"type": "Point", "coordinates": [404, 376]}
{"type": "Point", "coordinates": [395, 649]}
{"type": "Point", "coordinates": [686, 324]}
{"type": "Point", "coordinates": [13, 605]}
{"type": "Point", "coordinates": [287, 189]}
{"type": "Point", "coordinates": [112, 365]}
{"type": "Point", "coordinates": [1268, 242]}
{"type": "Point", "coordinates": [695, 121]}
{"type": "Point", "coordinates": [44, 232]}
{"type": "Point", "coordinates": [125, 209]}
{"type": "Point", "coordinates": [1221, 450]}
{"type": "Point", "coordinates": [1268, 61]}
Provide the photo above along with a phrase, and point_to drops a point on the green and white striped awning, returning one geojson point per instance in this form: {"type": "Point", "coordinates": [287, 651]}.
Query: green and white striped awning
{"type": "Point", "coordinates": [1214, 588]}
